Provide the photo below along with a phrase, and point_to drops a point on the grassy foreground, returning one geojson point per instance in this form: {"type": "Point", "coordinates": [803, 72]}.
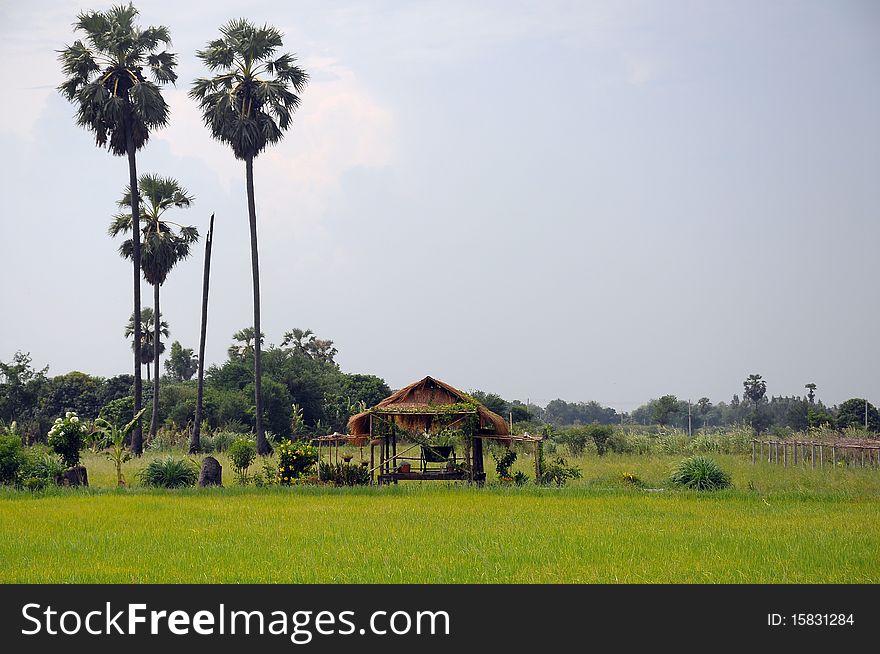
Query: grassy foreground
{"type": "Point", "coordinates": [776, 525]}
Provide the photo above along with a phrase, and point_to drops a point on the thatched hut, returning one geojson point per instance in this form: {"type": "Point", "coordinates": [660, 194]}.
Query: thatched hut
{"type": "Point", "coordinates": [427, 407]}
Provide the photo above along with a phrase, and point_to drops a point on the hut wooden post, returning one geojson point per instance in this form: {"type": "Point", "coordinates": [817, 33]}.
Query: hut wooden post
{"type": "Point", "coordinates": [372, 463]}
{"type": "Point", "coordinates": [478, 460]}
{"type": "Point", "coordinates": [394, 450]}
{"type": "Point", "coordinates": [538, 461]}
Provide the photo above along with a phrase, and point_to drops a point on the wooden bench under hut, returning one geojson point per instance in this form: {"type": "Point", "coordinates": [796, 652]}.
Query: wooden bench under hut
{"type": "Point", "coordinates": [418, 413]}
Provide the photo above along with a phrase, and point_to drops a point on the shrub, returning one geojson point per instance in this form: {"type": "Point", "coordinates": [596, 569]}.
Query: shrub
{"type": "Point", "coordinates": [631, 479]}
{"type": "Point", "coordinates": [520, 478]}
{"type": "Point", "coordinates": [345, 474]}
{"type": "Point", "coordinates": [242, 452]}
{"type": "Point", "coordinates": [294, 460]}
{"type": "Point", "coordinates": [703, 443]}
{"type": "Point", "coordinates": [66, 438]}
{"type": "Point", "coordinates": [558, 472]}
{"type": "Point", "coordinates": [170, 473]}
{"type": "Point", "coordinates": [12, 459]}
{"type": "Point", "coordinates": [700, 473]}
{"type": "Point", "coordinates": [575, 439]}
{"type": "Point", "coordinates": [503, 464]}
{"type": "Point", "coordinates": [619, 443]}
{"type": "Point", "coordinates": [600, 434]}
{"type": "Point", "coordinates": [221, 440]}
{"type": "Point", "coordinates": [41, 469]}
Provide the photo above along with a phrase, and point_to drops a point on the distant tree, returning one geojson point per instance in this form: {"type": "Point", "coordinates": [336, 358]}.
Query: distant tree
{"type": "Point", "coordinates": [304, 342]}
{"type": "Point", "coordinates": [248, 104]}
{"type": "Point", "coordinates": [852, 414]}
{"type": "Point", "coordinates": [243, 348]}
{"type": "Point", "coordinates": [181, 363]}
{"type": "Point", "coordinates": [754, 388]}
{"type": "Point", "coordinates": [146, 331]}
{"type": "Point", "coordinates": [106, 81]}
{"type": "Point", "coordinates": [663, 409]}
{"type": "Point", "coordinates": [491, 401]}
{"type": "Point", "coordinates": [520, 412]}
{"type": "Point", "coordinates": [704, 406]}
{"type": "Point", "coordinates": [811, 392]}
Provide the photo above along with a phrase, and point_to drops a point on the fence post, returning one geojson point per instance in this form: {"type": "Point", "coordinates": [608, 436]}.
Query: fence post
{"type": "Point", "coordinates": [834, 455]}
{"type": "Point", "coordinates": [794, 449]}
{"type": "Point", "coordinates": [754, 446]}
{"type": "Point", "coordinates": [813, 455]}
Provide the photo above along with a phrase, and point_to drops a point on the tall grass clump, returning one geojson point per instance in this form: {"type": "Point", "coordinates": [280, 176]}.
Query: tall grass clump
{"type": "Point", "coordinates": [700, 473]}
{"type": "Point", "coordinates": [170, 473]}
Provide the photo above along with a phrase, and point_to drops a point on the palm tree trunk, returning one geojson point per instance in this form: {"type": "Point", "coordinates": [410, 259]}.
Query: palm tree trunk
{"type": "Point", "coordinates": [195, 440]}
{"type": "Point", "coordinates": [262, 443]}
{"type": "Point", "coordinates": [154, 421]}
{"type": "Point", "coordinates": [137, 436]}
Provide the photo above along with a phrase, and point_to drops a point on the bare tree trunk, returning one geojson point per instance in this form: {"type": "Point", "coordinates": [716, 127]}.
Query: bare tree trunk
{"type": "Point", "coordinates": [137, 435]}
{"type": "Point", "coordinates": [154, 420]}
{"type": "Point", "coordinates": [262, 443]}
{"type": "Point", "coordinates": [195, 440]}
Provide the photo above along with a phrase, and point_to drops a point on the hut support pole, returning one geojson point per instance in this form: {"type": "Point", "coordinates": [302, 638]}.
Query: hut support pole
{"type": "Point", "coordinates": [537, 462]}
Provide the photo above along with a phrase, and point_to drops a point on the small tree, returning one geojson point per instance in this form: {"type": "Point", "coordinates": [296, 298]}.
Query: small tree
{"type": "Point", "coordinates": [118, 453]}
{"type": "Point", "coordinates": [754, 388]}
{"type": "Point", "coordinates": [181, 363]}
{"type": "Point", "coordinates": [663, 409]}
{"type": "Point", "coordinates": [242, 453]}
{"type": "Point", "coordinates": [67, 437]}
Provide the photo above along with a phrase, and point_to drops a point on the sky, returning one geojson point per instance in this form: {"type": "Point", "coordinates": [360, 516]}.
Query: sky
{"type": "Point", "coordinates": [605, 201]}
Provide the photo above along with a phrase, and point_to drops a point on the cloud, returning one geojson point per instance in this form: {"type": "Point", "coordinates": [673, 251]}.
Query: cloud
{"type": "Point", "coordinates": [339, 126]}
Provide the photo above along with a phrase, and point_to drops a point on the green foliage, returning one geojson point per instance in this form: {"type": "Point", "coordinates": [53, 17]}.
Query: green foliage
{"type": "Point", "coordinates": [557, 472]}
{"type": "Point", "coordinates": [276, 406]}
{"type": "Point", "coordinates": [221, 440]}
{"type": "Point", "coordinates": [700, 473]}
{"type": "Point", "coordinates": [663, 409]}
{"type": "Point", "coordinates": [294, 460]}
{"type": "Point", "coordinates": [345, 474]}
{"type": "Point", "coordinates": [181, 363]}
{"type": "Point", "coordinates": [118, 453]}
{"type": "Point", "coordinates": [66, 438]}
{"type": "Point", "coordinates": [242, 453]}
{"type": "Point", "coordinates": [170, 473]}
{"type": "Point", "coordinates": [520, 478]}
{"type": "Point", "coordinates": [503, 464]}
{"type": "Point", "coordinates": [12, 458]}
{"type": "Point", "coordinates": [41, 470]}
{"type": "Point", "coordinates": [852, 414]}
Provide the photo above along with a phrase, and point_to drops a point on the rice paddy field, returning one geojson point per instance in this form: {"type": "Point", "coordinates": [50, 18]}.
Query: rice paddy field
{"type": "Point", "coordinates": [776, 525]}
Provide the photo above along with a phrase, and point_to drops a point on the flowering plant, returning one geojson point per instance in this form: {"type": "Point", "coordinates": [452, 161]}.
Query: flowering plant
{"type": "Point", "coordinates": [294, 459]}
{"type": "Point", "coordinates": [67, 436]}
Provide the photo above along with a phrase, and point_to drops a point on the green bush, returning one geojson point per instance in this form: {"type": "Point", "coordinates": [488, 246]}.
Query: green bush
{"type": "Point", "coordinates": [600, 434]}
{"type": "Point", "coordinates": [12, 459]}
{"type": "Point", "coordinates": [41, 470]}
{"type": "Point", "coordinates": [242, 452]}
{"type": "Point", "coordinates": [700, 473]}
{"type": "Point", "coordinates": [66, 438]}
{"type": "Point", "coordinates": [345, 474]}
{"type": "Point", "coordinates": [619, 443]}
{"type": "Point", "coordinates": [170, 473]}
{"type": "Point", "coordinates": [503, 464]}
{"type": "Point", "coordinates": [221, 440]}
{"type": "Point", "coordinates": [558, 472]}
{"type": "Point", "coordinates": [294, 460]}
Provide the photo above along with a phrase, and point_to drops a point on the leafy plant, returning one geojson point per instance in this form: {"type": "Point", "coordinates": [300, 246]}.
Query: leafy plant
{"type": "Point", "coordinates": [503, 464]}
{"type": "Point", "coordinates": [700, 473]}
{"type": "Point", "coordinates": [12, 459]}
{"type": "Point", "coordinates": [345, 474]}
{"type": "Point", "coordinates": [41, 470]}
{"type": "Point", "coordinates": [170, 473]}
{"type": "Point", "coordinates": [520, 478]}
{"type": "Point", "coordinates": [66, 438]}
{"type": "Point", "coordinates": [557, 472]}
{"type": "Point", "coordinates": [294, 460]}
{"type": "Point", "coordinates": [221, 440]}
{"type": "Point", "coordinates": [119, 453]}
{"type": "Point", "coordinates": [242, 452]}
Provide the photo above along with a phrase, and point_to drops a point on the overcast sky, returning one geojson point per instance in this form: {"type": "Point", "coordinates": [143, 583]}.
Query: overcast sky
{"type": "Point", "coordinates": [593, 201]}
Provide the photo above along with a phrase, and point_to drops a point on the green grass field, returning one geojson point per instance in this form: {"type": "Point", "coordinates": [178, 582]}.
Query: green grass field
{"type": "Point", "coordinates": [776, 525]}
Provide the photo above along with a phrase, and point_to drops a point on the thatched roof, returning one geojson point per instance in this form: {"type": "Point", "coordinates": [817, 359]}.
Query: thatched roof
{"type": "Point", "coordinates": [420, 405]}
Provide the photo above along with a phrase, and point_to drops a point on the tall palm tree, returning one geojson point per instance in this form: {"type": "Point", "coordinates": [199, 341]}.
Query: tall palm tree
{"type": "Point", "coordinates": [162, 248]}
{"type": "Point", "coordinates": [148, 338]}
{"type": "Point", "coordinates": [106, 82]}
{"type": "Point", "coordinates": [248, 104]}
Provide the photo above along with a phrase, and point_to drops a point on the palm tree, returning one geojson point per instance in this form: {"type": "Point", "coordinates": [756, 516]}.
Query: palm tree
{"type": "Point", "coordinates": [244, 347]}
{"type": "Point", "coordinates": [162, 248]}
{"type": "Point", "coordinates": [147, 322]}
{"type": "Point", "coordinates": [105, 80]}
{"type": "Point", "coordinates": [248, 104]}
